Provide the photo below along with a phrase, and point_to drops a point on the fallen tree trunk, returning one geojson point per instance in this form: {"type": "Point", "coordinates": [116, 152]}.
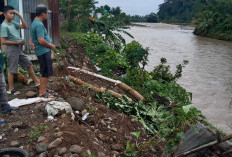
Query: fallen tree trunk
{"type": "Point", "coordinates": [23, 79]}
{"type": "Point", "coordinates": [94, 88]}
{"type": "Point", "coordinates": [122, 85]}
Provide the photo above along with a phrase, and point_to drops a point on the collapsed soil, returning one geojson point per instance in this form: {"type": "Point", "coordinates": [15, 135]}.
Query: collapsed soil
{"type": "Point", "coordinates": [93, 135]}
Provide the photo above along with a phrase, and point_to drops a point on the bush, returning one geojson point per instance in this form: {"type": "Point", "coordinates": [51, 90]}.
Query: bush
{"type": "Point", "coordinates": [135, 54]}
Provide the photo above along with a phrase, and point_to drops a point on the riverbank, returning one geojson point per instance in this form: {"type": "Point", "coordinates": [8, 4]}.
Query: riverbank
{"type": "Point", "coordinates": [207, 74]}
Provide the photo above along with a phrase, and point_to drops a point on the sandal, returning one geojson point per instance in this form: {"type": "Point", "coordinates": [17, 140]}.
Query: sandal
{"type": "Point", "coordinates": [2, 120]}
{"type": "Point", "coordinates": [37, 85]}
{"type": "Point", "coordinates": [14, 92]}
{"type": "Point", "coordinates": [10, 109]}
{"type": "Point", "coordinates": [47, 95]}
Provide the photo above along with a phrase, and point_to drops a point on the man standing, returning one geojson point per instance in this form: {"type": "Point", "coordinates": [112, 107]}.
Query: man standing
{"type": "Point", "coordinates": [10, 37]}
{"type": "Point", "coordinates": [4, 106]}
{"type": "Point", "coordinates": [43, 48]}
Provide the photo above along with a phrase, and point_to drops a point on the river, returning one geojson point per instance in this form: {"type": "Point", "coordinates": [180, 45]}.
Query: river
{"type": "Point", "coordinates": [209, 70]}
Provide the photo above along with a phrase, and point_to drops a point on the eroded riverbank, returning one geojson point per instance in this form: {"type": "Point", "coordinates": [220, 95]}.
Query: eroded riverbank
{"type": "Point", "coordinates": [207, 74]}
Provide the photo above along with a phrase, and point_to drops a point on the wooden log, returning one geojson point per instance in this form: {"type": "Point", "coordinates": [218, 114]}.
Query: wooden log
{"type": "Point", "coordinates": [122, 85]}
{"type": "Point", "coordinates": [23, 79]}
{"type": "Point", "coordinates": [94, 88]}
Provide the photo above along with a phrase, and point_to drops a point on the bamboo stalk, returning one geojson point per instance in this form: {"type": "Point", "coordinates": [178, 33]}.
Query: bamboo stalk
{"type": "Point", "coordinates": [94, 88]}
{"type": "Point", "coordinates": [122, 85]}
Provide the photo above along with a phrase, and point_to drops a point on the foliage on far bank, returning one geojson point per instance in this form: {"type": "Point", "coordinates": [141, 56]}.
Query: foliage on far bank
{"type": "Point", "coordinates": [215, 20]}
{"type": "Point", "coordinates": [212, 18]}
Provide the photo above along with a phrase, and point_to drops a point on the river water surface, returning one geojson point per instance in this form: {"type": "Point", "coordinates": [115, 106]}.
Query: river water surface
{"type": "Point", "coordinates": [209, 70]}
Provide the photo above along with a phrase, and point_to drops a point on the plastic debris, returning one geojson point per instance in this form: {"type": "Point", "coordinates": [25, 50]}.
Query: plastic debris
{"type": "Point", "coordinates": [85, 116]}
{"type": "Point", "coordinates": [21, 102]}
{"type": "Point", "coordinates": [55, 107]}
{"type": "Point", "coordinates": [50, 118]}
{"type": "Point", "coordinates": [66, 78]}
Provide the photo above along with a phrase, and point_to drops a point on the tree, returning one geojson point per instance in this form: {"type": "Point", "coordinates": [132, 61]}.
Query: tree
{"type": "Point", "coordinates": [152, 18]}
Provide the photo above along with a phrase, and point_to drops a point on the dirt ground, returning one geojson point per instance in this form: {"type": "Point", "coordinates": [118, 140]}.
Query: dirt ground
{"type": "Point", "coordinates": [104, 133]}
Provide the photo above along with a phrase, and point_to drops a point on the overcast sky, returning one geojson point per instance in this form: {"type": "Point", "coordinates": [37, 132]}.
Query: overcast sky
{"type": "Point", "coordinates": [138, 7]}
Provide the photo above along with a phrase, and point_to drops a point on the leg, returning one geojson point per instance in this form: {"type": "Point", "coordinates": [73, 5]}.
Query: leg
{"type": "Point", "coordinates": [11, 81]}
{"type": "Point", "coordinates": [43, 85]}
{"type": "Point", "coordinates": [4, 105]}
{"type": "Point", "coordinates": [32, 74]}
{"type": "Point", "coordinates": [3, 94]}
{"type": "Point", "coordinates": [26, 63]}
{"type": "Point", "coordinates": [12, 55]}
{"type": "Point", "coordinates": [45, 72]}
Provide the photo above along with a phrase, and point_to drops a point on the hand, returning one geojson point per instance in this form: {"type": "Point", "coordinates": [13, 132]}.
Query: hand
{"type": "Point", "coordinates": [16, 12]}
{"type": "Point", "coordinates": [1, 13]}
{"type": "Point", "coordinates": [53, 47]}
{"type": "Point", "coordinates": [21, 42]}
{"type": "Point", "coordinates": [32, 46]}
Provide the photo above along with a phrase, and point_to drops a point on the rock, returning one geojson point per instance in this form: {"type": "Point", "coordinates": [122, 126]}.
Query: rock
{"type": "Point", "coordinates": [54, 108]}
{"type": "Point", "coordinates": [41, 147]}
{"type": "Point", "coordinates": [59, 134]}
{"type": "Point", "coordinates": [76, 103]}
{"type": "Point", "coordinates": [63, 116]}
{"type": "Point", "coordinates": [55, 143]}
{"type": "Point", "coordinates": [31, 94]}
{"type": "Point", "coordinates": [101, 154]}
{"type": "Point", "coordinates": [132, 120]}
{"type": "Point", "coordinates": [40, 139]}
{"type": "Point", "coordinates": [103, 122]}
{"type": "Point", "coordinates": [116, 147]}
{"type": "Point", "coordinates": [67, 155]}
{"type": "Point", "coordinates": [114, 129]}
{"type": "Point", "coordinates": [88, 152]}
{"type": "Point", "coordinates": [84, 112]}
{"type": "Point", "coordinates": [56, 156]}
{"type": "Point", "coordinates": [14, 144]}
{"type": "Point", "coordinates": [76, 149]}
{"type": "Point", "coordinates": [128, 138]}
{"type": "Point", "coordinates": [102, 137]}
{"type": "Point", "coordinates": [75, 155]}
{"type": "Point", "coordinates": [63, 151]}
{"type": "Point", "coordinates": [115, 153]}
{"type": "Point", "coordinates": [60, 99]}
{"type": "Point", "coordinates": [44, 154]}
{"type": "Point", "coordinates": [16, 129]}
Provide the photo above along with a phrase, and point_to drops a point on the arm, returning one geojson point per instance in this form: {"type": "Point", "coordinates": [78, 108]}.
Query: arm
{"type": "Point", "coordinates": [32, 44]}
{"type": "Point", "coordinates": [23, 25]}
{"type": "Point", "coordinates": [7, 42]}
{"type": "Point", "coordinates": [44, 43]}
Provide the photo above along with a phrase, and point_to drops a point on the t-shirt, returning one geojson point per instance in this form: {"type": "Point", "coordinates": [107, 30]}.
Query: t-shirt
{"type": "Point", "coordinates": [10, 31]}
{"type": "Point", "coordinates": [39, 31]}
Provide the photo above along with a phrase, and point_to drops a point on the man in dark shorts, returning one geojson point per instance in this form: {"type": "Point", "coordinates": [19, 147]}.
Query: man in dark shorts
{"type": "Point", "coordinates": [10, 37]}
{"type": "Point", "coordinates": [43, 48]}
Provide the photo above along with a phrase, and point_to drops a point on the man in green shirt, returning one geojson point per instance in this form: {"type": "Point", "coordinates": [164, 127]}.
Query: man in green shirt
{"type": "Point", "coordinates": [43, 48]}
{"type": "Point", "coordinates": [10, 37]}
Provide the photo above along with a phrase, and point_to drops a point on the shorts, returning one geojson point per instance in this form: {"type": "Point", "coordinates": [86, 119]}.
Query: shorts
{"type": "Point", "coordinates": [45, 62]}
{"type": "Point", "coordinates": [15, 56]}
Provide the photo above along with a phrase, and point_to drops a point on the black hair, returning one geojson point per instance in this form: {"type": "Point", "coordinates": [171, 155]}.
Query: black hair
{"type": "Point", "coordinates": [41, 9]}
{"type": "Point", "coordinates": [7, 8]}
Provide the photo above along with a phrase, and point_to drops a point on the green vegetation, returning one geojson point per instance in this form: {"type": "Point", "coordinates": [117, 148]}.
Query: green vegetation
{"type": "Point", "coordinates": [212, 18]}
{"type": "Point", "coordinates": [215, 20]}
{"type": "Point", "coordinates": [167, 108]}
{"type": "Point", "coordinates": [37, 132]}
{"type": "Point", "coordinates": [151, 18]}
{"type": "Point", "coordinates": [178, 11]}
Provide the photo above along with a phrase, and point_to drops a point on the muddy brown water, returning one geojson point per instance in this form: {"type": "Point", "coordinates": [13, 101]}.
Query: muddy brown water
{"type": "Point", "coordinates": [209, 71]}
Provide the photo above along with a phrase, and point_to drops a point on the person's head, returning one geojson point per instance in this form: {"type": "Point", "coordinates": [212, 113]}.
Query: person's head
{"type": "Point", "coordinates": [9, 12]}
{"type": "Point", "coordinates": [42, 11]}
